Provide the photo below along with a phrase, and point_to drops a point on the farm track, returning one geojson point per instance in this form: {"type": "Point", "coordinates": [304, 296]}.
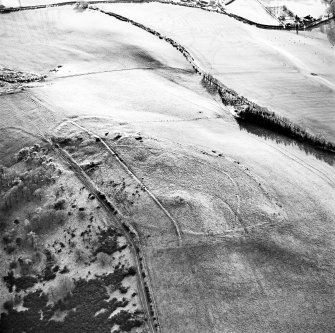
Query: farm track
{"type": "Point", "coordinates": [178, 120]}
{"type": "Point", "coordinates": [119, 70]}
{"type": "Point", "coordinates": [134, 177]}
{"type": "Point", "coordinates": [92, 187]}
{"type": "Point", "coordinates": [234, 210]}
{"type": "Point", "coordinates": [245, 229]}
{"type": "Point", "coordinates": [218, 238]}
{"type": "Point", "coordinates": [19, 129]}
{"type": "Point", "coordinates": [179, 232]}
{"type": "Point", "coordinates": [135, 246]}
{"type": "Point", "coordinates": [153, 324]}
{"type": "Point", "coordinates": [282, 151]}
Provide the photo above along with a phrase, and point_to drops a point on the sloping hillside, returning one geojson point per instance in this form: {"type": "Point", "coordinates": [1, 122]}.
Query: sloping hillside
{"type": "Point", "coordinates": [253, 10]}
{"type": "Point", "coordinates": [234, 224]}
{"type": "Point", "coordinates": [293, 75]}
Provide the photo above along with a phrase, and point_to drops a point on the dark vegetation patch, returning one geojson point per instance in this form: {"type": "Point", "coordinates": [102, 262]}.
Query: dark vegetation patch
{"type": "Point", "coordinates": [81, 299]}
{"type": "Point", "coordinates": [10, 76]}
{"type": "Point", "coordinates": [108, 242]}
{"type": "Point", "coordinates": [102, 196]}
{"type": "Point", "coordinates": [49, 272]}
{"type": "Point", "coordinates": [126, 320]}
{"type": "Point", "coordinates": [250, 112]}
{"type": "Point", "coordinates": [64, 270]}
{"type": "Point", "coordinates": [60, 204]}
{"type": "Point", "coordinates": [20, 283]}
{"type": "Point", "coordinates": [267, 134]}
{"type": "Point", "coordinates": [209, 87]}
{"type": "Point", "coordinates": [122, 289]}
{"type": "Point", "coordinates": [86, 299]}
{"type": "Point", "coordinates": [263, 117]}
{"type": "Point", "coordinates": [13, 81]}
{"type": "Point", "coordinates": [63, 141]}
{"type": "Point", "coordinates": [89, 168]}
{"type": "Point", "coordinates": [26, 280]}
{"type": "Point", "coordinates": [71, 144]}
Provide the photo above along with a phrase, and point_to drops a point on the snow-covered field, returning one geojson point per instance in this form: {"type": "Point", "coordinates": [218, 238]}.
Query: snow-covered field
{"type": "Point", "coordinates": [301, 8]}
{"type": "Point", "coordinates": [253, 10]}
{"type": "Point", "coordinates": [256, 209]}
{"type": "Point", "coordinates": [293, 75]}
{"type": "Point", "coordinates": [23, 3]}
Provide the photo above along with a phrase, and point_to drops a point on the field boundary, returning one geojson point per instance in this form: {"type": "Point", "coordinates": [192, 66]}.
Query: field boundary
{"type": "Point", "coordinates": [221, 10]}
{"type": "Point", "coordinates": [244, 109]}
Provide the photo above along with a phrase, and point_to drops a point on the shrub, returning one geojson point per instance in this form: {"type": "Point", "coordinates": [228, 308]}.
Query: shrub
{"type": "Point", "coordinates": [8, 305]}
{"type": "Point", "coordinates": [122, 288]}
{"type": "Point", "coordinates": [23, 154]}
{"type": "Point", "coordinates": [60, 204]}
{"type": "Point", "coordinates": [13, 264]}
{"type": "Point", "coordinates": [81, 5]}
{"type": "Point", "coordinates": [126, 320]}
{"type": "Point", "coordinates": [36, 147]}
